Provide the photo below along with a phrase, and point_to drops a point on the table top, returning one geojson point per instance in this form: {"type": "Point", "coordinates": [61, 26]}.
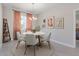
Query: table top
{"type": "Point", "coordinates": [36, 33]}
{"type": "Point", "coordinates": [27, 33]}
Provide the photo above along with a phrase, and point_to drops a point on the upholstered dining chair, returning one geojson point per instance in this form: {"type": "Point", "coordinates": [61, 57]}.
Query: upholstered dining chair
{"type": "Point", "coordinates": [46, 38]}
{"type": "Point", "coordinates": [30, 39]}
{"type": "Point", "coordinates": [19, 38]}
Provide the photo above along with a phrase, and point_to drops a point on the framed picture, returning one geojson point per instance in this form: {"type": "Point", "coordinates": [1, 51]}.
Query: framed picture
{"type": "Point", "coordinates": [51, 22]}
{"type": "Point", "coordinates": [59, 22]}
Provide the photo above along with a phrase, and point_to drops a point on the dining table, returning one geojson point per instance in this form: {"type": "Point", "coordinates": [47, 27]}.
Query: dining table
{"type": "Point", "coordinates": [37, 34]}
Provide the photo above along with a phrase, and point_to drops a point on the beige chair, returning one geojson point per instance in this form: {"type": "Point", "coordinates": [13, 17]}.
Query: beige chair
{"type": "Point", "coordinates": [37, 28]}
{"type": "Point", "coordinates": [30, 39]}
{"type": "Point", "coordinates": [46, 38]}
{"type": "Point", "coordinates": [20, 38]}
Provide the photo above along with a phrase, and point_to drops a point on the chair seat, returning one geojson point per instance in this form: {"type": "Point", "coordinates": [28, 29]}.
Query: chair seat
{"type": "Point", "coordinates": [43, 38]}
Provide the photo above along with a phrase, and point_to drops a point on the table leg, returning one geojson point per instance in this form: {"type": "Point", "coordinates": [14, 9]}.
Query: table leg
{"type": "Point", "coordinates": [39, 40]}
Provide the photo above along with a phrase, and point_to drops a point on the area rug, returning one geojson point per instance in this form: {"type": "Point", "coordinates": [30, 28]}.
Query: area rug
{"type": "Point", "coordinates": [40, 51]}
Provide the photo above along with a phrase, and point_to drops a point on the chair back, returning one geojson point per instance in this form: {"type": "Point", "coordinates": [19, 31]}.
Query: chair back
{"type": "Point", "coordinates": [30, 39]}
{"type": "Point", "coordinates": [18, 35]}
{"type": "Point", "coordinates": [37, 28]}
{"type": "Point", "coordinates": [48, 38]}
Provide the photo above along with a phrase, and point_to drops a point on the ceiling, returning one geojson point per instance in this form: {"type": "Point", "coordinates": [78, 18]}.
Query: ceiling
{"type": "Point", "coordinates": [35, 8]}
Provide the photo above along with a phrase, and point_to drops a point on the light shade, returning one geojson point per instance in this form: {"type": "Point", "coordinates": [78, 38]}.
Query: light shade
{"type": "Point", "coordinates": [33, 18]}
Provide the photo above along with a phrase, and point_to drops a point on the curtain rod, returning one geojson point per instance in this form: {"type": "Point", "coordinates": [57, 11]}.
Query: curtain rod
{"type": "Point", "coordinates": [21, 11]}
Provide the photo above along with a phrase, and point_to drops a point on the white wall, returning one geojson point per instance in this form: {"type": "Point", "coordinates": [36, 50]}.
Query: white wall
{"type": "Point", "coordinates": [64, 36]}
{"type": "Point", "coordinates": [0, 24]}
{"type": "Point", "coordinates": [8, 13]}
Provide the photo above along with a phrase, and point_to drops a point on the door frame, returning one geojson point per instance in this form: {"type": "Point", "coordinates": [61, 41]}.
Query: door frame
{"type": "Point", "coordinates": [74, 26]}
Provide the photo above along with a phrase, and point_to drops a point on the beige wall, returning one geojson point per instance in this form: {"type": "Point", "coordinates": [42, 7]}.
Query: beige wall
{"type": "Point", "coordinates": [0, 24]}
{"type": "Point", "coordinates": [8, 13]}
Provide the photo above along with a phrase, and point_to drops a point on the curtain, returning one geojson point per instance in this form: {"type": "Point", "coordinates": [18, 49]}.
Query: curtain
{"type": "Point", "coordinates": [17, 23]}
{"type": "Point", "coordinates": [29, 22]}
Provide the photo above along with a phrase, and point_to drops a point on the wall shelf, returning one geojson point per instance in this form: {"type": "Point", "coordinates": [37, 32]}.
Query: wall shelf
{"type": "Point", "coordinates": [6, 33]}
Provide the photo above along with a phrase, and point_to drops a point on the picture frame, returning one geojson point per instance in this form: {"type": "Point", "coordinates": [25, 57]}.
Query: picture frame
{"type": "Point", "coordinates": [50, 22]}
{"type": "Point", "coordinates": [59, 23]}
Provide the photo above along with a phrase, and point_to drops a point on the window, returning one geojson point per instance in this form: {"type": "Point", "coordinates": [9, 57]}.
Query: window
{"type": "Point", "coordinates": [23, 22]}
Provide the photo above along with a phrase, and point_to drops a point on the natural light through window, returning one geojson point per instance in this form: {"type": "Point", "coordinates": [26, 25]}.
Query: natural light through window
{"type": "Point", "coordinates": [23, 22]}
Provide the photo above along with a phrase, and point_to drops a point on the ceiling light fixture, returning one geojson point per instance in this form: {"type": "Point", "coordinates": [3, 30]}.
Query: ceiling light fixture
{"type": "Point", "coordinates": [33, 17]}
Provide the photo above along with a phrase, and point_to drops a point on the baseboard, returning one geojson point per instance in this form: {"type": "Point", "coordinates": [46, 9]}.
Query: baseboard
{"type": "Point", "coordinates": [63, 44]}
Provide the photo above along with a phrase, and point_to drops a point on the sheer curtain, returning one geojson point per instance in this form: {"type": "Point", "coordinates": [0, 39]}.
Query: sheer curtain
{"type": "Point", "coordinates": [17, 23]}
{"type": "Point", "coordinates": [23, 22]}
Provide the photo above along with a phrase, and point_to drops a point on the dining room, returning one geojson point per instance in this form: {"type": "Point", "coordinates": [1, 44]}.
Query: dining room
{"type": "Point", "coordinates": [25, 28]}
{"type": "Point", "coordinates": [38, 29]}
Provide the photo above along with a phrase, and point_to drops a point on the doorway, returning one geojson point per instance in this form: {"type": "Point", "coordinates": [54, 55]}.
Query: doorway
{"type": "Point", "coordinates": [77, 27]}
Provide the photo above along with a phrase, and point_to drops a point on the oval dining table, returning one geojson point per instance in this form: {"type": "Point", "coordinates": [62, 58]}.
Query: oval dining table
{"type": "Point", "coordinates": [37, 34]}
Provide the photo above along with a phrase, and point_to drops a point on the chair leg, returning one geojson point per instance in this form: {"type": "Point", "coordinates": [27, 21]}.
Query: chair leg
{"type": "Point", "coordinates": [49, 44]}
{"type": "Point", "coordinates": [18, 44]}
{"type": "Point", "coordinates": [34, 50]}
{"type": "Point", "coordinates": [25, 48]}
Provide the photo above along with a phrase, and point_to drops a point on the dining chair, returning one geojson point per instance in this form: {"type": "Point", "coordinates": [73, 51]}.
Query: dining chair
{"type": "Point", "coordinates": [37, 28]}
{"type": "Point", "coordinates": [30, 39]}
{"type": "Point", "coordinates": [46, 38]}
{"type": "Point", "coordinates": [20, 38]}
